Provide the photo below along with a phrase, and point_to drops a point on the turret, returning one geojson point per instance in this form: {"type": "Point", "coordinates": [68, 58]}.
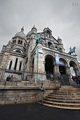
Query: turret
{"type": "Point", "coordinates": [60, 46]}
{"type": "Point", "coordinates": [34, 30]}
{"type": "Point", "coordinates": [47, 32]}
{"type": "Point", "coordinates": [19, 41]}
{"type": "Point", "coordinates": [59, 40]}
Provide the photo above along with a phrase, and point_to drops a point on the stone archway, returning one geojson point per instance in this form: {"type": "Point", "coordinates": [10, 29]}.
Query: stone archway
{"type": "Point", "coordinates": [62, 66]}
{"type": "Point", "coordinates": [49, 64]}
{"type": "Point", "coordinates": [73, 68]}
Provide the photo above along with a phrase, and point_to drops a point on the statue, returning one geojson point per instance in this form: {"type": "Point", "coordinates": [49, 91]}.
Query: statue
{"type": "Point", "coordinates": [72, 50]}
{"type": "Point", "coordinates": [38, 39]}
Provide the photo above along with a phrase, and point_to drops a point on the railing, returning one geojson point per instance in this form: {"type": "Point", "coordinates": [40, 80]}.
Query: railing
{"type": "Point", "coordinates": [17, 76]}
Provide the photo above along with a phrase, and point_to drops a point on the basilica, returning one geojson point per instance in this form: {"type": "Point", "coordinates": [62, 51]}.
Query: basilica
{"type": "Point", "coordinates": [35, 67]}
{"type": "Point", "coordinates": [35, 56]}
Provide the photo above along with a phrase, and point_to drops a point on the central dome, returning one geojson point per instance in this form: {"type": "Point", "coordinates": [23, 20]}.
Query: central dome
{"type": "Point", "coordinates": [20, 34]}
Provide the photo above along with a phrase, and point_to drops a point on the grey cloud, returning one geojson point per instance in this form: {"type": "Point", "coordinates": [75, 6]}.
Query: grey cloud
{"type": "Point", "coordinates": [59, 15]}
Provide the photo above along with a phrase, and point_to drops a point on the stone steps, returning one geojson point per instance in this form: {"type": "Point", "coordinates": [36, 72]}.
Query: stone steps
{"type": "Point", "coordinates": [62, 103]}
{"type": "Point", "coordinates": [64, 98]}
{"type": "Point", "coordinates": [67, 97]}
{"type": "Point", "coordinates": [61, 107]}
{"type": "Point", "coordinates": [61, 100]}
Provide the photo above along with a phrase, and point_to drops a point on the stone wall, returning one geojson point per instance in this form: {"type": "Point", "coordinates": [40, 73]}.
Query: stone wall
{"type": "Point", "coordinates": [20, 96]}
{"type": "Point", "coordinates": [15, 94]}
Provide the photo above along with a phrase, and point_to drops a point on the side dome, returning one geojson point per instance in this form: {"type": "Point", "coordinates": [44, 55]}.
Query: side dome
{"type": "Point", "coordinates": [33, 30]}
{"type": "Point", "coordinates": [21, 34]}
{"type": "Point", "coordinates": [29, 33]}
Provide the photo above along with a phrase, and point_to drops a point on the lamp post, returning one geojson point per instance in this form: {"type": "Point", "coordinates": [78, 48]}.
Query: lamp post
{"type": "Point", "coordinates": [38, 40]}
{"type": "Point", "coordinates": [37, 61]}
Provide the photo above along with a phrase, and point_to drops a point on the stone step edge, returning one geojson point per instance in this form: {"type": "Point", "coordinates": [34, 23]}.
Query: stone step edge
{"type": "Point", "coordinates": [64, 100]}
{"type": "Point", "coordinates": [65, 91]}
{"type": "Point", "coordinates": [62, 107]}
{"type": "Point", "coordinates": [64, 95]}
{"type": "Point", "coordinates": [58, 103]}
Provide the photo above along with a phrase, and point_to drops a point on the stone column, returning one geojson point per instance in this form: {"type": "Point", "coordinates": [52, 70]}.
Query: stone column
{"type": "Point", "coordinates": [13, 63]}
{"type": "Point", "coordinates": [2, 74]}
{"type": "Point", "coordinates": [35, 68]}
{"type": "Point", "coordinates": [77, 71]}
{"type": "Point", "coordinates": [39, 64]}
{"type": "Point", "coordinates": [18, 64]}
{"type": "Point", "coordinates": [3, 67]}
{"type": "Point", "coordinates": [22, 76]}
{"type": "Point", "coordinates": [56, 71]}
{"type": "Point", "coordinates": [68, 72]}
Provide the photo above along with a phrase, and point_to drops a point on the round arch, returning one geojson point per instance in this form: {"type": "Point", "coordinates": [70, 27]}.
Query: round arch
{"type": "Point", "coordinates": [49, 64]}
{"type": "Point", "coordinates": [48, 54]}
{"type": "Point", "coordinates": [62, 66]}
{"type": "Point", "coordinates": [73, 68]}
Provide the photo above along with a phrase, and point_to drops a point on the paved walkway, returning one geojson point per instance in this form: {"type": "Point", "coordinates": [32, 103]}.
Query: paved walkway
{"type": "Point", "coordinates": [35, 111]}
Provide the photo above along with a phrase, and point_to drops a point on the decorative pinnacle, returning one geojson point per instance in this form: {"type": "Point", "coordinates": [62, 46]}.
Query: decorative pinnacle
{"type": "Point", "coordinates": [58, 37]}
{"type": "Point", "coordinates": [33, 26]}
{"type": "Point", "coordinates": [22, 29]}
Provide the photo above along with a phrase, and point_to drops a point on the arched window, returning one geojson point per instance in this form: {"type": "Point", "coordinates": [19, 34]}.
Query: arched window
{"type": "Point", "coordinates": [49, 44]}
{"type": "Point", "coordinates": [48, 34]}
{"type": "Point", "coordinates": [18, 51]}
{"type": "Point", "coordinates": [33, 65]}
{"type": "Point", "coordinates": [60, 49]}
{"type": "Point", "coordinates": [10, 65]}
{"type": "Point", "coordinates": [16, 64]}
{"type": "Point", "coordinates": [56, 47]}
{"type": "Point", "coordinates": [19, 41]}
{"type": "Point", "coordinates": [14, 41]}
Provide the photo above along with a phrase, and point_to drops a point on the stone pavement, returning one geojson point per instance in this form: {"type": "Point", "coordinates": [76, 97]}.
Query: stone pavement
{"type": "Point", "coordinates": [35, 111]}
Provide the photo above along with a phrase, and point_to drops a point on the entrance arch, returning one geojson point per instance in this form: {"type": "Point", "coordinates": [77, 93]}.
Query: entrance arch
{"type": "Point", "coordinates": [62, 66]}
{"type": "Point", "coordinates": [73, 68]}
{"type": "Point", "coordinates": [49, 64]}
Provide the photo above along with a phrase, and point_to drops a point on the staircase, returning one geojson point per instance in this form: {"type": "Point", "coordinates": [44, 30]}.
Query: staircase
{"type": "Point", "coordinates": [64, 80]}
{"type": "Point", "coordinates": [67, 97]}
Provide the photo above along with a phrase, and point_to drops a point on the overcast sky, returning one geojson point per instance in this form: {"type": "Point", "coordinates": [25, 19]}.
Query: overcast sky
{"type": "Point", "coordinates": [61, 16]}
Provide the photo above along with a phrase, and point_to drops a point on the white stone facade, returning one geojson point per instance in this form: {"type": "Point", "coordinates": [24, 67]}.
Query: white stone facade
{"type": "Point", "coordinates": [28, 59]}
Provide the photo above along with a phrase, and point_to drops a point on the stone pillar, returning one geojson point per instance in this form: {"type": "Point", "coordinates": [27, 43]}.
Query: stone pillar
{"type": "Point", "coordinates": [68, 72]}
{"type": "Point", "coordinates": [2, 73]}
{"type": "Point", "coordinates": [35, 68]}
{"type": "Point", "coordinates": [22, 76]}
{"type": "Point", "coordinates": [39, 64]}
{"type": "Point", "coordinates": [13, 63]}
{"type": "Point", "coordinates": [77, 71]}
{"type": "Point", "coordinates": [18, 64]}
{"type": "Point", "coordinates": [3, 67]}
{"type": "Point", "coordinates": [56, 71]}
